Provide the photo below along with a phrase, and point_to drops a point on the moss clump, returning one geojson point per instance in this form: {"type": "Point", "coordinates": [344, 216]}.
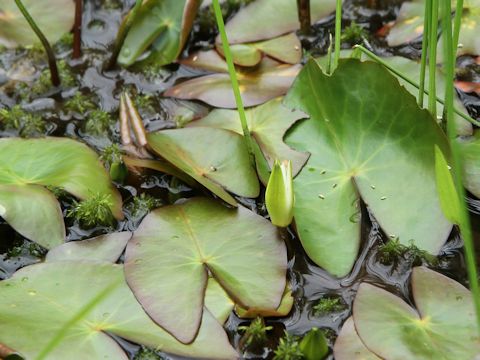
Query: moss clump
{"type": "Point", "coordinates": [392, 251]}
{"type": "Point", "coordinates": [327, 305]}
{"type": "Point", "coordinates": [26, 123]}
{"type": "Point", "coordinates": [142, 204]}
{"type": "Point", "coordinates": [255, 334]}
{"type": "Point", "coordinates": [354, 33]}
{"type": "Point", "coordinates": [288, 348]}
{"type": "Point", "coordinates": [44, 83]}
{"type": "Point", "coordinates": [99, 122]}
{"type": "Point", "coordinates": [147, 354]}
{"type": "Point", "coordinates": [79, 103]}
{"type": "Point", "coordinates": [26, 248]}
{"type": "Point", "coordinates": [93, 211]}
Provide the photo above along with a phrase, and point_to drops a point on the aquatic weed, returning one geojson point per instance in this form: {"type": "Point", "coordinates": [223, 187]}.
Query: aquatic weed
{"type": "Point", "coordinates": [255, 333]}
{"type": "Point", "coordinates": [93, 211]}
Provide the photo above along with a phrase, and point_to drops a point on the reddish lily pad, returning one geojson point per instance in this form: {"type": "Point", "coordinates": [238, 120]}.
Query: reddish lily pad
{"type": "Point", "coordinates": [239, 248]}
{"type": "Point", "coordinates": [268, 124]}
{"type": "Point", "coordinates": [287, 49]}
{"type": "Point", "coordinates": [267, 81]}
{"type": "Point", "coordinates": [266, 19]}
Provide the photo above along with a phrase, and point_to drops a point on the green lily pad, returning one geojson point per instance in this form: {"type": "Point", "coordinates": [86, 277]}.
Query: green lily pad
{"type": "Point", "coordinates": [267, 124]}
{"type": "Point", "coordinates": [158, 165]}
{"type": "Point", "coordinates": [266, 19]}
{"type": "Point", "coordinates": [217, 301]}
{"type": "Point", "coordinates": [470, 148]}
{"type": "Point", "coordinates": [268, 80]}
{"type": "Point", "coordinates": [368, 139]}
{"type": "Point", "coordinates": [168, 269]}
{"type": "Point", "coordinates": [27, 163]}
{"type": "Point", "coordinates": [287, 49]}
{"type": "Point", "coordinates": [51, 308]}
{"type": "Point", "coordinates": [349, 346]}
{"type": "Point", "coordinates": [283, 309]}
{"type": "Point", "coordinates": [106, 247]}
{"type": "Point", "coordinates": [442, 327]}
{"type": "Point", "coordinates": [164, 24]}
{"type": "Point", "coordinates": [217, 159]}
{"type": "Point", "coordinates": [33, 212]}
{"type": "Point", "coordinates": [411, 69]}
{"type": "Point", "coordinates": [15, 31]}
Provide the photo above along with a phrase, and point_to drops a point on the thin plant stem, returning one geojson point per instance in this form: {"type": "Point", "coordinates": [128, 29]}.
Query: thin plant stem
{"type": "Point", "coordinates": [329, 54]}
{"type": "Point", "coordinates": [122, 34]}
{"type": "Point", "coordinates": [52, 62]}
{"type": "Point", "coordinates": [423, 61]}
{"type": "Point", "coordinates": [410, 81]}
{"type": "Point", "coordinates": [338, 34]}
{"type": "Point", "coordinates": [304, 16]}
{"type": "Point", "coordinates": [234, 80]}
{"type": "Point", "coordinates": [432, 58]}
{"type": "Point", "coordinates": [457, 24]}
{"type": "Point", "coordinates": [464, 219]}
{"type": "Point", "coordinates": [77, 30]}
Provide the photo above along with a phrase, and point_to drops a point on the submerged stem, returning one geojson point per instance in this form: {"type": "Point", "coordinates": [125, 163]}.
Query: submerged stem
{"type": "Point", "coordinates": [464, 222]}
{"type": "Point", "coordinates": [304, 15]}
{"type": "Point", "coordinates": [338, 35]}
{"type": "Point", "coordinates": [52, 63]}
{"type": "Point", "coordinates": [122, 34]}
{"type": "Point", "coordinates": [432, 58]}
{"type": "Point", "coordinates": [410, 81]}
{"type": "Point", "coordinates": [233, 79]}
{"type": "Point", "coordinates": [423, 61]}
{"type": "Point", "coordinates": [77, 30]}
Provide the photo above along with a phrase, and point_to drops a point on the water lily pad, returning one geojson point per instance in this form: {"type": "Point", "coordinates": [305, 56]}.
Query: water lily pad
{"type": "Point", "coordinates": [287, 49]}
{"type": "Point", "coordinates": [33, 212]}
{"type": "Point", "coordinates": [470, 148]}
{"type": "Point", "coordinates": [60, 162]}
{"type": "Point", "coordinates": [49, 309]}
{"type": "Point", "coordinates": [267, 124]}
{"type": "Point", "coordinates": [283, 309]}
{"type": "Point", "coordinates": [267, 81]}
{"type": "Point", "coordinates": [168, 269]}
{"type": "Point", "coordinates": [106, 247]}
{"type": "Point", "coordinates": [442, 327]}
{"type": "Point", "coordinates": [411, 69]}
{"type": "Point", "coordinates": [368, 139]}
{"type": "Point", "coordinates": [208, 60]}
{"type": "Point", "coordinates": [217, 159]}
{"type": "Point", "coordinates": [164, 24]}
{"type": "Point", "coordinates": [409, 26]}
{"type": "Point", "coordinates": [158, 165]}
{"type": "Point", "coordinates": [409, 23]}
{"type": "Point", "coordinates": [15, 31]}
{"type": "Point", "coordinates": [266, 19]}
{"type": "Point", "coordinates": [217, 301]}
{"type": "Point", "coordinates": [349, 346]}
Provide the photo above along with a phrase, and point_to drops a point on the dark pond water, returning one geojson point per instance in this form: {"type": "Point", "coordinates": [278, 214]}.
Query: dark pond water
{"type": "Point", "coordinates": [309, 283]}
